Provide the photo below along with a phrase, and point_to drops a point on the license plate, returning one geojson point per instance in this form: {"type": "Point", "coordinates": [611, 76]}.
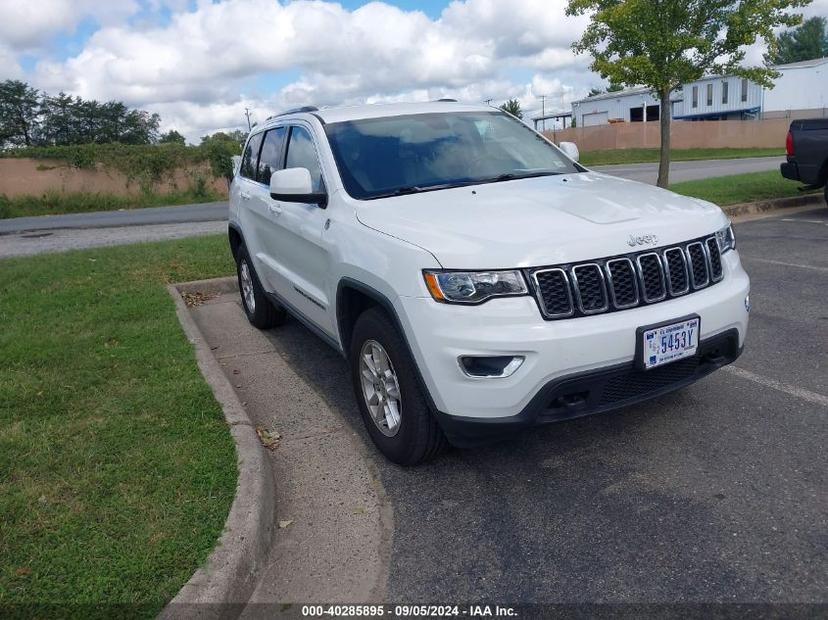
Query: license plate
{"type": "Point", "coordinates": [667, 342]}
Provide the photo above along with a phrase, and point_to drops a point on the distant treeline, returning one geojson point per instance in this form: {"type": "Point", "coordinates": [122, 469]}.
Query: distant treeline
{"type": "Point", "coordinates": [29, 117]}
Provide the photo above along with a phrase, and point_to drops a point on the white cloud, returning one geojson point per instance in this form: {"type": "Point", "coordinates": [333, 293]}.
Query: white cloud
{"type": "Point", "coordinates": [203, 59]}
{"type": "Point", "coordinates": [199, 70]}
{"type": "Point", "coordinates": [27, 24]}
{"type": "Point", "coordinates": [9, 67]}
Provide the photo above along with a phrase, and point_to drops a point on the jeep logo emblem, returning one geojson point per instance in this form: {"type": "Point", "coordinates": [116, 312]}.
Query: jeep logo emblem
{"type": "Point", "coordinates": [635, 240]}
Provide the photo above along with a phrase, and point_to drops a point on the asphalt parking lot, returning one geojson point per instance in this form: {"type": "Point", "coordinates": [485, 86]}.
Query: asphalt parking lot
{"type": "Point", "coordinates": [716, 493]}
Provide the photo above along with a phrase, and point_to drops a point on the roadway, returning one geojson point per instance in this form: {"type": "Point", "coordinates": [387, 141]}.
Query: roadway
{"type": "Point", "coordinates": [217, 211]}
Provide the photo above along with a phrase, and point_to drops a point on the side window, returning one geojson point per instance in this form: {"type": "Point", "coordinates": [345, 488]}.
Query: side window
{"type": "Point", "coordinates": [302, 154]}
{"type": "Point", "coordinates": [251, 157]}
{"type": "Point", "coordinates": [270, 159]}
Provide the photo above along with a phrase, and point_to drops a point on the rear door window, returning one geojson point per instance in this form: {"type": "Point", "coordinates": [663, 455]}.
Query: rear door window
{"type": "Point", "coordinates": [270, 159]}
{"type": "Point", "coordinates": [250, 158]}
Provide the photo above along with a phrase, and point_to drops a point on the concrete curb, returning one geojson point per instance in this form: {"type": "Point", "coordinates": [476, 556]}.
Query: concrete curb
{"type": "Point", "coordinates": [222, 587]}
{"type": "Point", "coordinates": [751, 208]}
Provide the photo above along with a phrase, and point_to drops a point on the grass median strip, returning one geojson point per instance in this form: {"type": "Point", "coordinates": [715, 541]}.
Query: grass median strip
{"type": "Point", "coordinates": [643, 156]}
{"type": "Point", "coordinates": [740, 188]}
{"type": "Point", "coordinates": [117, 470]}
{"type": "Point", "coordinates": [54, 203]}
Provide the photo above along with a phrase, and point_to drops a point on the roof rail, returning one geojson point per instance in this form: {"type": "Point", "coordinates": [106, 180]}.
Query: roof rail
{"type": "Point", "coordinates": [306, 108]}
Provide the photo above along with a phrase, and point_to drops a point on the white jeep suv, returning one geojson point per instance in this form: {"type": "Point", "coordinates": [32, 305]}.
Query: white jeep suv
{"type": "Point", "coordinates": [477, 279]}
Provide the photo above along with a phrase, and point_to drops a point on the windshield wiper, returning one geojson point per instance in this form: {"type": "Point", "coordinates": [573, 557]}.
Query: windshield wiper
{"type": "Point", "coordinates": [510, 176]}
{"type": "Point", "coordinates": [414, 189]}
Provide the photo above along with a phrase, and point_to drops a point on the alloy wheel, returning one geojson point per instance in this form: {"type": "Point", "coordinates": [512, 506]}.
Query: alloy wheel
{"type": "Point", "coordinates": [380, 388]}
{"type": "Point", "coordinates": [247, 287]}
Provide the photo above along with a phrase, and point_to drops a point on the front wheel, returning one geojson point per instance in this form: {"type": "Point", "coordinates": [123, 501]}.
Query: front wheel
{"type": "Point", "coordinates": [390, 399]}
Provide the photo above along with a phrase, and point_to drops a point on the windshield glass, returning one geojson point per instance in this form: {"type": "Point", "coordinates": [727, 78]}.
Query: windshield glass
{"type": "Point", "coordinates": [396, 155]}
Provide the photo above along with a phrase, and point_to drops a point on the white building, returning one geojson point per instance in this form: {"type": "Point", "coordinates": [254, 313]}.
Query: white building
{"type": "Point", "coordinates": [800, 91]}
{"type": "Point", "coordinates": [718, 98]}
{"type": "Point", "coordinates": [629, 105]}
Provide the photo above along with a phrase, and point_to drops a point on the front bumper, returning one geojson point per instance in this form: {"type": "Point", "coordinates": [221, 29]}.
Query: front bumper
{"type": "Point", "coordinates": [596, 391]}
{"type": "Point", "coordinates": [554, 351]}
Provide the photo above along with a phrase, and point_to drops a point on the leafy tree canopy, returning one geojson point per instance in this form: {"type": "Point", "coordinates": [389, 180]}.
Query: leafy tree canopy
{"type": "Point", "coordinates": [29, 117]}
{"type": "Point", "coordinates": [663, 44]}
{"type": "Point", "coordinates": [172, 137]}
{"type": "Point", "coordinates": [513, 107]}
{"type": "Point", "coordinates": [808, 41]}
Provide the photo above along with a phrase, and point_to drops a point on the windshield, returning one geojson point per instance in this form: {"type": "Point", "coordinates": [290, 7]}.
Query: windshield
{"type": "Point", "coordinates": [397, 155]}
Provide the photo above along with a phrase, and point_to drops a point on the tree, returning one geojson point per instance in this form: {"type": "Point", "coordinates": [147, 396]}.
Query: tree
{"type": "Point", "coordinates": [612, 88]}
{"type": "Point", "coordinates": [58, 124]}
{"type": "Point", "coordinates": [807, 42]}
{"type": "Point", "coordinates": [139, 127]}
{"type": "Point", "coordinates": [31, 118]}
{"type": "Point", "coordinates": [512, 107]}
{"type": "Point", "coordinates": [220, 148]}
{"type": "Point", "coordinates": [663, 44]}
{"type": "Point", "coordinates": [172, 137]}
{"type": "Point", "coordinates": [19, 107]}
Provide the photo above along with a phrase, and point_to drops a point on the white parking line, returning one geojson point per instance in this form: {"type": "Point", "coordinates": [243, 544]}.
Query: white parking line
{"type": "Point", "coordinates": [811, 397]}
{"type": "Point", "coordinates": [779, 262]}
{"type": "Point", "coordinates": [790, 219]}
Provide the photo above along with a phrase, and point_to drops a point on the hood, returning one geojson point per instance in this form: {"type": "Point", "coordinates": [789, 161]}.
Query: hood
{"type": "Point", "coordinates": [541, 221]}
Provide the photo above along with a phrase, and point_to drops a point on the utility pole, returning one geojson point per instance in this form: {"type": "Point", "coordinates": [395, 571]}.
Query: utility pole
{"type": "Point", "coordinates": [543, 112]}
{"type": "Point", "coordinates": [247, 114]}
{"type": "Point", "coordinates": [488, 102]}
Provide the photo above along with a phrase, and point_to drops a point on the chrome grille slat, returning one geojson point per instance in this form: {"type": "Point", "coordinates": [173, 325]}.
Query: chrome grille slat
{"type": "Point", "coordinates": [651, 277]}
{"type": "Point", "coordinates": [697, 260]}
{"type": "Point", "coordinates": [590, 288]}
{"type": "Point", "coordinates": [675, 264]}
{"type": "Point", "coordinates": [555, 294]}
{"type": "Point", "coordinates": [624, 282]}
{"type": "Point", "coordinates": [714, 259]}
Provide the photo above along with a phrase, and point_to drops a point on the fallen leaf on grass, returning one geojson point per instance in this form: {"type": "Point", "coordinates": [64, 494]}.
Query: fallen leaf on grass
{"type": "Point", "coordinates": [23, 571]}
{"type": "Point", "coordinates": [284, 524]}
{"type": "Point", "coordinates": [269, 439]}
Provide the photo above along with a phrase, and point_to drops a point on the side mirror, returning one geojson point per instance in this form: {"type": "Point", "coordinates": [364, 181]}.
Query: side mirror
{"type": "Point", "coordinates": [570, 149]}
{"type": "Point", "coordinates": [236, 164]}
{"type": "Point", "coordinates": [295, 185]}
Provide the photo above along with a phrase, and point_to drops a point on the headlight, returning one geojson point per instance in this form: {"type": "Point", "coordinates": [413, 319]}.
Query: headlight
{"type": "Point", "coordinates": [473, 287]}
{"type": "Point", "coordinates": [726, 239]}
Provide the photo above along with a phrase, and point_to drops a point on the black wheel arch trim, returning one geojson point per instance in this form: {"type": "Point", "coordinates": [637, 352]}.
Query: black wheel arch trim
{"type": "Point", "coordinates": [234, 228]}
{"type": "Point", "coordinates": [385, 303]}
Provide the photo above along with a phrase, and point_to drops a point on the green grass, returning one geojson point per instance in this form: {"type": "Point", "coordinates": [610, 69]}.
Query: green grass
{"type": "Point", "coordinates": [739, 188]}
{"type": "Point", "coordinates": [117, 469]}
{"type": "Point", "coordinates": [53, 203]}
{"type": "Point", "coordinates": [637, 156]}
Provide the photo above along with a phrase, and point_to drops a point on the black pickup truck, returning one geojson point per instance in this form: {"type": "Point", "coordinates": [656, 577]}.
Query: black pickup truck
{"type": "Point", "coordinates": [807, 148]}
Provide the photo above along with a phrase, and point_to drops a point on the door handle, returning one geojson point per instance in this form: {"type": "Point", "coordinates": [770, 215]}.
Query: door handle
{"type": "Point", "coordinates": [275, 209]}
{"type": "Point", "coordinates": [244, 195]}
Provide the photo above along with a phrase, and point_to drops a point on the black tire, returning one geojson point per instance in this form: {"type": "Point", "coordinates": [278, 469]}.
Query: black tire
{"type": "Point", "coordinates": [418, 437]}
{"type": "Point", "coordinates": [264, 314]}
